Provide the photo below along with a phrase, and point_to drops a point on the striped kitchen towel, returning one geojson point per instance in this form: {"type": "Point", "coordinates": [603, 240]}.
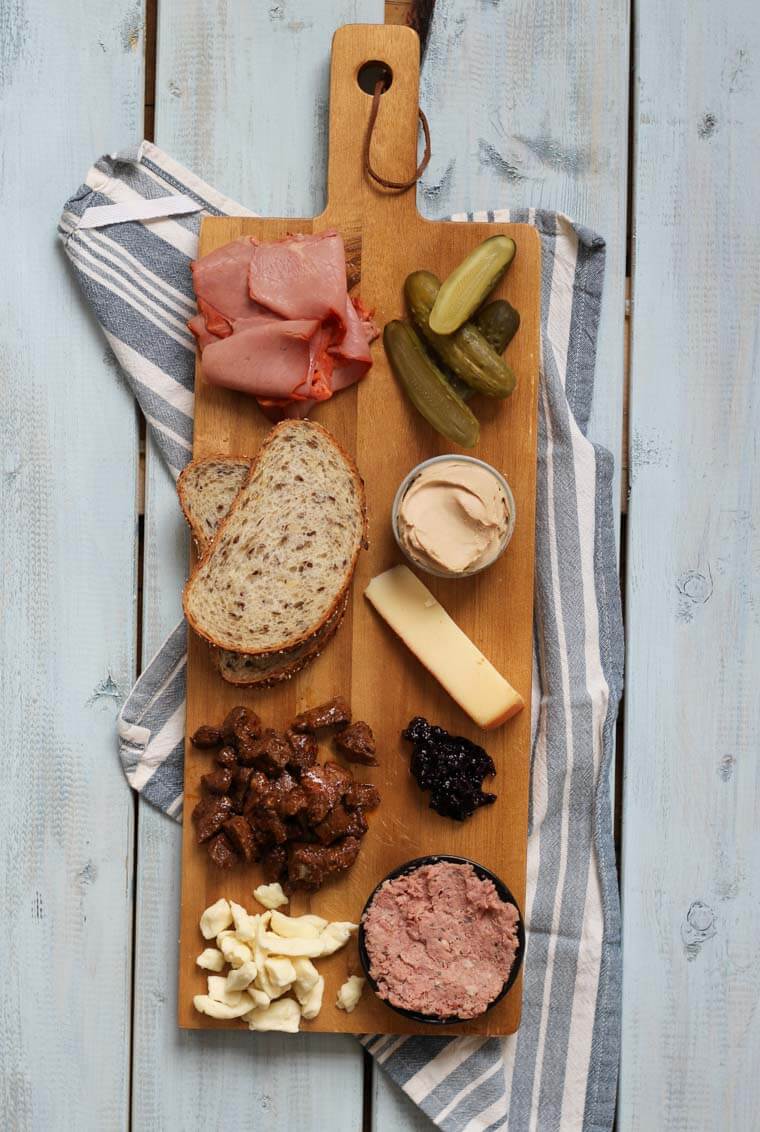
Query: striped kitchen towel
{"type": "Point", "coordinates": [130, 233]}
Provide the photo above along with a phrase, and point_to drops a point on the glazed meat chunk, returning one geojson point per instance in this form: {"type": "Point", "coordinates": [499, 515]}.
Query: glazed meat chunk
{"type": "Point", "coordinates": [324, 786]}
{"type": "Point", "coordinates": [226, 757]}
{"type": "Point", "coordinates": [240, 723]}
{"type": "Point", "coordinates": [270, 752]}
{"type": "Point", "coordinates": [210, 815]}
{"type": "Point", "coordinates": [221, 852]}
{"type": "Point", "coordinates": [257, 788]}
{"type": "Point", "coordinates": [239, 831]}
{"type": "Point", "coordinates": [218, 782]}
{"type": "Point", "coordinates": [284, 796]}
{"type": "Point", "coordinates": [310, 865]}
{"type": "Point", "coordinates": [274, 863]}
{"type": "Point", "coordinates": [356, 744]}
{"type": "Point", "coordinates": [334, 713]}
{"type": "Point", "coordinates": [361, 796]}
{"type": "Point", "coordinates": [341, 822]}
{"type": "Point", "coordinates": [206, 736]}
{"type": "Point", "coordinates": [304, 750]}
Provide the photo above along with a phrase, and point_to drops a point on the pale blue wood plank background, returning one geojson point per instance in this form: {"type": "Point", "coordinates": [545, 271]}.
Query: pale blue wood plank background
{"type": "Point", "coordinates": [549, 132]}
{"type": "Point", "coordinates": [393, 1111]}
{"type": "Point", "coordinates": [254, 124]}
{"type": "Point", "coordinates": [71, 85]}
{"type": "Point", "coordinates": [691, 836]}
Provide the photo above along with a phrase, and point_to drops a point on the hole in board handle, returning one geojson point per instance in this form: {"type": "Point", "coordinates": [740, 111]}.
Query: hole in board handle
{"type": "Point", "coordinates": [373, 72]}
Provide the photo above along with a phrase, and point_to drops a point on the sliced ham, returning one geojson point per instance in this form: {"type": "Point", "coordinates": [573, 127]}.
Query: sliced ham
{"type": "Point", "coordinates": [204, 337]}
{"type": "Point", "coordinates": [220, 280]}
{"type": "Point", "coordinates": [271, 359]}
{"type": "Point", "coordinates": [275, 320]}
{"type": "Point", "coordinates": [301, 277]}
{"type": "Point", "coordinates": [354, 345]}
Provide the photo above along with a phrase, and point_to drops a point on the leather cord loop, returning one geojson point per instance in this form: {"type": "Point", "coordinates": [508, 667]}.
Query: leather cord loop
{"type": "Point", "coordinates": [385, 182]}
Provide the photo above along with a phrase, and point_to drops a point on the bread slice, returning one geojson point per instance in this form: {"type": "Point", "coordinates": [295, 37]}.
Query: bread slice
{"type": "Point", "coordinates": [266, 669]}
{"type": "Point", "coordinates": [282, 561]}
{"type": "Point", "coordinates": [206, 489]}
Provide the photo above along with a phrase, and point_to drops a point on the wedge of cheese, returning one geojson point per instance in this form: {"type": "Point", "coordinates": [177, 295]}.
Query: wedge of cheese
{"type": "Point", "coordinates": [446, 651]}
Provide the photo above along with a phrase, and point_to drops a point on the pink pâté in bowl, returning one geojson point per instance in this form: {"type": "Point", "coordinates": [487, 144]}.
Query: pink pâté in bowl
{"type": "Point", "coordinates": [441, 939]}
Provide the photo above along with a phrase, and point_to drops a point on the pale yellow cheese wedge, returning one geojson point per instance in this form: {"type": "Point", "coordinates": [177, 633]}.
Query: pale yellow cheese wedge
{"type": "Point", "coordinates": [446, 651]}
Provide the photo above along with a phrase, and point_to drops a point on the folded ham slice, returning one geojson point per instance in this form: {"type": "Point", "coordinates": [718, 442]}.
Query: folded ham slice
{"type": "Point", "coordinates": [301, 277]}
{"type": "Point", "coordinates": [275, 320]}
{"type": "Point", "coordinates": [267, 358]}
{"type": "Point", "coordinates": [220, 280]}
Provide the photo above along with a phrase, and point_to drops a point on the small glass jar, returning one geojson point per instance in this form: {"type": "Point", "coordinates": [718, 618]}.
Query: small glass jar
{"type": "Point", "coordinates": [407, 482]}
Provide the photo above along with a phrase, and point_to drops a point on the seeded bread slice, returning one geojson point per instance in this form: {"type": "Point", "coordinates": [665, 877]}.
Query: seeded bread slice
{"type": "Point", "coordinates": [271, 668]}
{"type": "Point", "coordinates": [283, 559]}
{"type": "Point", "coordinates": [206, 489]}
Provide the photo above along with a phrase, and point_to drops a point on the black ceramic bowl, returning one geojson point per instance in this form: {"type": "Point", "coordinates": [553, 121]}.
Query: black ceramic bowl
{"type": "Point", "coordinates": [506, 896]}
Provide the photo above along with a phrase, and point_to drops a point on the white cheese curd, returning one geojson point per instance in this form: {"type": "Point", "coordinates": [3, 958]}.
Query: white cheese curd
{"type": "Point", "coordinates": [258, 998]}
{"type": "Point", "coordinates": [270, 895]}
{"type": "Point", "coordinates": [215, 919]}
{"type": "Point", "coordinates": [350, 993]}
{"type": "Point", "coordinates": [241, 977]}
{"type": "Point", "coordinates": [336, 935]}
{"type": "Point", "coordinates": [279, 945]}
{"type": "Point", "coordinates": [281, 971]}
{"type": "Point", "coordinates": [311, 1002]}
{"type": "Point", "coordinates": [245, 924]}
{"type": "Point", "coordinates": [284, 1015]}
{"type": "Point", "coordinates": [210, 959]}
{"type": "Point", "coordinates": [264, 983]}
{"type": "Point", "coordinates": [235, 952]}
{"type": "Point", "coordinates": [219, 991]}
{"type": "Point", "coordinates": [205, 1004]}
{"type": "Point", "coordinates": [297, 927]}
{"type": "Point", "coordinates": [306, 975]}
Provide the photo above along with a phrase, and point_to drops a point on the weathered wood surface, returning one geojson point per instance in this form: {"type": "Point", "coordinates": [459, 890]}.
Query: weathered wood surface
{"type": "Point", "coordinates": [266, 79]}
{"type": "Point", "coordinates": [691, 1039]}
{"type": "Point", "coordinates": [392, 1110]}
{"type": "Point", "coordinates": [691, 836]}
{"type": "Point", "coordinates": [68, 90]}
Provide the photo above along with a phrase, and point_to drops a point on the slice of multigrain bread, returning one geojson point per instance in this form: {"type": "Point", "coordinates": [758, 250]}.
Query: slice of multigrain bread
{"type": "Point", "coordinates": [265, 669]}
{"type": "Point", "coordinates": [282, 561]}
{"type": "Point", "coordinates": [206, 489]}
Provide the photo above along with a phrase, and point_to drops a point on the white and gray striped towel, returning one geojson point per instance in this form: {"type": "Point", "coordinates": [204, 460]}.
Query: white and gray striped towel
{"type": "Point", "coordinates": [132, 260]}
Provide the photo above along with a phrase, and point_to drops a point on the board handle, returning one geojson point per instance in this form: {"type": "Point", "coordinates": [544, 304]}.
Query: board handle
{"type": "Point", "coordinates": [394, 139]}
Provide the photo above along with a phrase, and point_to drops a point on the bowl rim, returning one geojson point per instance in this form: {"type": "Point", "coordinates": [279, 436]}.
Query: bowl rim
{"type": "Point", "coordinates": [455, 457]}
{"type": "Point", "coordinates": [506, 896]}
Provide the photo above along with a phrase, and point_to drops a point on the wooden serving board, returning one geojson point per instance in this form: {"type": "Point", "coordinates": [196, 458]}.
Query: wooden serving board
{"type": "Point", "coordinates": [365, 662]}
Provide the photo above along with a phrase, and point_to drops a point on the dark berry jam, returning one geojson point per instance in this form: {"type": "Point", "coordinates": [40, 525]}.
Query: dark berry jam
{"type": "Point", "coordinates": [451, 767]}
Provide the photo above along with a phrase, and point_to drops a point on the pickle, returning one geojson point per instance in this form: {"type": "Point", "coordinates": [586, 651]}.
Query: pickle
{"type": "Point", "coordinates": [466, 353]}
{"type": "Point", "coordinates": [498, 322]}
{"type": "Point", "coordinates": [426, 387]}
{"type": "Point", "coordinates": [464, 290]}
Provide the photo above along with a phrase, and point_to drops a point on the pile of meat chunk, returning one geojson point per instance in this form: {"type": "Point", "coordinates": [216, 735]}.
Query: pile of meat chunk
{"type": "Point", "coordinates": [270, 800]}
{"type": "Point", "coordinates": [275, 320]}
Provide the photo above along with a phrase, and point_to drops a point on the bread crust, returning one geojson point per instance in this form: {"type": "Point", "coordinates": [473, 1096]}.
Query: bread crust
{"type": "Point", "coordinates": [291, 642]}
{"type": "Point", "coordinates": [280, 675]}
{"type": "Point", "coordinates": [202, 544]}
